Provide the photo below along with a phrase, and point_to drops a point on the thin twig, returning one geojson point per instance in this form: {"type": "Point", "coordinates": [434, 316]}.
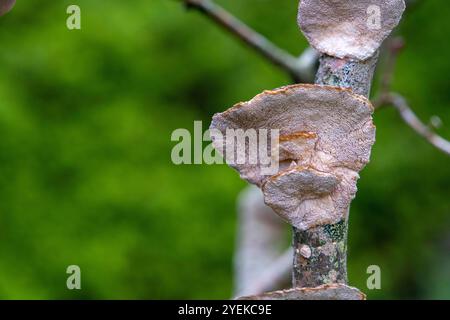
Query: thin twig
{"type": "Point", "coordinates": [386, 98]}
{"type": "Point", "coordinates": [410, 118]}
{"type": "Point", "coordinates": [395, 47]}
{"type": "Point", "coordinates": [261, 44]}
{"type": "Point", "coordinates": [392, 47]}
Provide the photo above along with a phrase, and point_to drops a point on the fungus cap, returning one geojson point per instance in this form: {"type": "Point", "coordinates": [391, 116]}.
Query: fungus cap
{"type": "Point", "coordinates": [349, 28]}
{"type": "Point", "coordinates": [325, 138]}
{"type": "Point", "coordinates": [6, 6]}
{"type": "Point", "coordinates": [333, 291]}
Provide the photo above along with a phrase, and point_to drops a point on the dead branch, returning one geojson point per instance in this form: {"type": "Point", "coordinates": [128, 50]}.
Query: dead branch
{"type": "Point", "coordinates": [387, 98]}
{"type": "Point", "coordinates": [410, 118]}
{"type": "Point", "coordinates": [259, 263]}
{"type": "Point", "coordinates": [272, 276]}
{"type": "Point", "coordinates": [261, 44]}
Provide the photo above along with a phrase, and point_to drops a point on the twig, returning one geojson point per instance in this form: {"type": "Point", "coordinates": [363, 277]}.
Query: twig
{"type": "Point", "coordinates": [393, 47]}
{"type": "Point", "coordinates": [261, 44]}
{"type": "Point", "coordinates": [385, 98]}
{"type": "Point", "coordinates": [410, 118]}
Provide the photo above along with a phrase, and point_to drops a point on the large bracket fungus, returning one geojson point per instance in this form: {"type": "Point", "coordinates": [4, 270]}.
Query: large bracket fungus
{"type": "Point", "coordinates": [325, 137]}
{"type": "Point", "coordinates": [349, 28]}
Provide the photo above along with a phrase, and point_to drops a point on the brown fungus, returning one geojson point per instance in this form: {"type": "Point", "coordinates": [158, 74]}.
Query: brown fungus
{"type": "Point", "coordinates": [349, 29]}
{"type": "Point", "coordinates": [325, 138]}
{"type": "Point", "coordinates": [6, 6]}
{"type": "Point", "coordinates": [334, 291]}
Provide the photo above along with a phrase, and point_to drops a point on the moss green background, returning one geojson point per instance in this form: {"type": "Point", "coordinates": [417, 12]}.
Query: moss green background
{"type": "Point", "coordinates": [85, 171]}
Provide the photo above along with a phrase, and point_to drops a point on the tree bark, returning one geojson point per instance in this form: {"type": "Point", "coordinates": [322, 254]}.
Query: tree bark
{"type": "Point", "coordinates": [347, 73]}
{"type": "Point", "coordinates": [320, 253]}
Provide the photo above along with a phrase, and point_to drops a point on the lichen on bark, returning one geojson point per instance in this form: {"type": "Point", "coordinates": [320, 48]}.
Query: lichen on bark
{"type": "Point", "coordinates": [328, 260]}
{"type": "Point", "coordinates": [347, 73]}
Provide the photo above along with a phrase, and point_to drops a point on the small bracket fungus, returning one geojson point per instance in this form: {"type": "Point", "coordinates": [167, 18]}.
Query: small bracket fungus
{"type": "Point", "coordinates": [6, 6]}
{"type": "Point", "coordinates": [334, 291]}
{"type": "Point", "coordinates": [349, 29]}
{"type": "Point", "coordinates": [325, 138]}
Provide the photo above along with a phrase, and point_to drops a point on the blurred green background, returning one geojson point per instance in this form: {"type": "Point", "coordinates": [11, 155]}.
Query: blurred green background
{"type": "Point", "coordinates": [85, 170]}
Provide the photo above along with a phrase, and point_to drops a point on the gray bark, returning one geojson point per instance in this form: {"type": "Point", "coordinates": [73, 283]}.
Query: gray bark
{"type": "Point", "coordinates": [320, 253]}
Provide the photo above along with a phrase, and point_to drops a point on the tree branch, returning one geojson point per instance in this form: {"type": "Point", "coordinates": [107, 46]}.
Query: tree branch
{"type": "Point", "coordinates": [259, 263]}
{"type": "Point", "coordinates": [265, 47]}
{"type": "Point", "coordinates": [410, 118]}
{"type": "Point", "coordinates": [385, 98]}
{"type": "Point", "coordinates": [272, 276]}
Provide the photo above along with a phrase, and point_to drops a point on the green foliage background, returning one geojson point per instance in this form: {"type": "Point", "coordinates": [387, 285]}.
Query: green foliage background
{"type": "Point", "coordinates": [85, 171]}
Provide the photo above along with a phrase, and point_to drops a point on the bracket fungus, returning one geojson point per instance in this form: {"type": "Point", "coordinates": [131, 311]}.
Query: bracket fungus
{"type": "Point", "coordinates": [324, 292]}
{"type": "Point", "coordinates": [349, 29]}
{"type": "Point", "coordinates": [6, 6]}
{"type": "Point", "coordinates": [325, 138]}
